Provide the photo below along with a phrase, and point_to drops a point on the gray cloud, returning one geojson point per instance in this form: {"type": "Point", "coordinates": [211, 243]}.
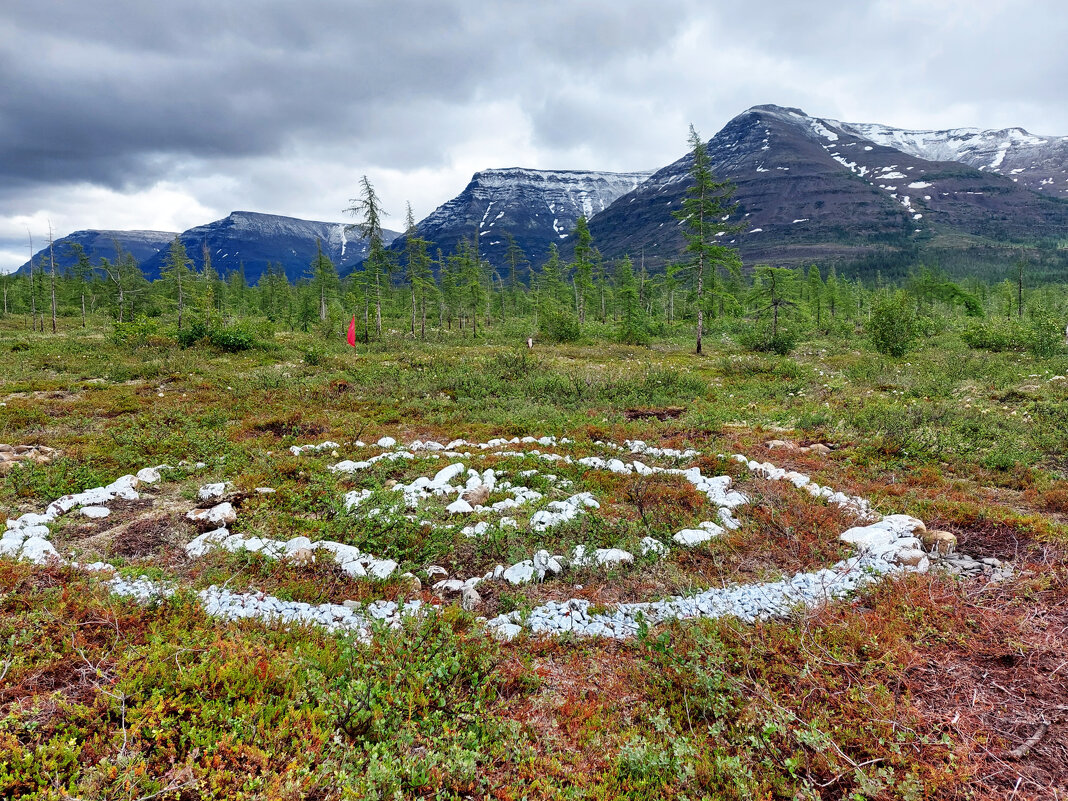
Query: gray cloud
{"type": "Point", "coordinates": [116, 109]}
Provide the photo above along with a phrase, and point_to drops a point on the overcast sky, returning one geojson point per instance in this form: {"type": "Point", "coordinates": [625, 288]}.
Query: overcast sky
{"type": "Point", "coordinates": [166, 115]}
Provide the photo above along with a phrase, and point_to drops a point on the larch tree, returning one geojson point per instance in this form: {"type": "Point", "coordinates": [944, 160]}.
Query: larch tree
{"type": "Point", "coordinates": [368, 211]}
{"type": "Point", "coordinates": [419, 272]}
{"type": "Point", "coordinates": [516, 260]}
{"type": "Point", "coordinates": [176, 272]}
{"type": "Point", "coordinates": [583, 278]}
{"type": "Point", "coordinates": [82, 270]}
{"type": "Point", "coordinates": [816, 291]}
{"type": "Point", "coordinates": [208, 292]}
{"type": "Point", "coordinates": [52, 273]}
{"type": "Point", "coordinates": [324, 279]}
{"type": "Point", "coordinates": [702, 218]}
{"type": "Point", "coordinates": [775, 289]}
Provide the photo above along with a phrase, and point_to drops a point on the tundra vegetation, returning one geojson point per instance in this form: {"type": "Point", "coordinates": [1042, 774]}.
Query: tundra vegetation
{"type": "Point", "coordinates": [946, 400]}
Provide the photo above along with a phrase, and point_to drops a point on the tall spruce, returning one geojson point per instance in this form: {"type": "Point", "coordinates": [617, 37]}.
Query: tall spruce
{"type": "Point", "coordinates": [702, 217]}
{"type": "Point", "coordinates": [207, 294]}
{"type": "Point", "coordinates": [816, 292]}
{"type": "Point", "coordinates": [81, 270]}
{"type": "Point", "coordinates": [633, 328]}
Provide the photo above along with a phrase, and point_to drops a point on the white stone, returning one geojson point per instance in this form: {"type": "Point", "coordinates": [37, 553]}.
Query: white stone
{"type": "Point", "coordinates": [354, 568]}
{"type": "Point", "coordinates": [507, 631]}
{"type": "Point", "coordinates": [381, 568]}
{"type": "Point", "coordinates": [38, 550]}
{"type": "Point", "coordinates": [447, 474]}
{"type": "Point", "coordinates": [386, 442]}
{"type": "Point", "coordinates": [148, 475]}
{"type": "Point", "coordinates": [544, 562]}
{"type": "Point", "coordinates": [868, 538]}
{"type": "Point", "coordinates": [222, 514]}
{"type": "Point", "coordinates": [612, 556]}
{"type": "Point", "coordinates": [692, 537]}
{"type": "Point", "coordinates": [451, 586]}
{"type": "Point", "coordinates": [459, 507]}
{"type": "Point", "coordinates": [521, 573]}
{"type": "Point", "coordinates": [95, 512]}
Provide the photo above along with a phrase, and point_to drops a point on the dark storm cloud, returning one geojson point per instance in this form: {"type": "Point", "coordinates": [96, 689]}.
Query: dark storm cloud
{"type": "Point", "coordinates": [100, 91]}
{"type": "Point", "coordinates": [160, 114]}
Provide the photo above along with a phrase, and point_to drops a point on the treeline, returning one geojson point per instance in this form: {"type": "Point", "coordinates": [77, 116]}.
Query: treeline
{"type": "Point", "coordinates": [432, 295]}
{"type": "Point", "coordinates": [559, 300]}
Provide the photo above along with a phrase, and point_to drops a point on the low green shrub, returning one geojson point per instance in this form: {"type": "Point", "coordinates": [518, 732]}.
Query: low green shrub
{"type": "Point", "coordinates": [233, 338]}
{"type": "Point", "coordinates": [892, 327]}
{"type": "Point", "coordinates": [136, 333]}
{"type": "Point", "coordinates": [761, 339]}
{"type": "Point", "coordinates": [996, 335]}
{"type": "Point", "coordinates": [559, 327]}
{"type": "Point", "coordinates": [1044, 336]}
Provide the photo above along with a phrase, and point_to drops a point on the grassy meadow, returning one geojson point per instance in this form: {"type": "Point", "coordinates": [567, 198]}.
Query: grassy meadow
{"type": "Point", "coordinates": [923, 686]}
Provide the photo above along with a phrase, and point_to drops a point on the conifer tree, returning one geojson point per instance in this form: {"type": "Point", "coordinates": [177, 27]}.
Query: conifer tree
{"type": "Point", "coordinates": [774, 289]}
{"type": "Point", "coordinates": [633, 328]}
{"type": "Point", "coordinates": [516, 261]}
{"type": "Point", "coordinates": [831, 292]}
{"type": "Point", "coordinates": [324, 279]}
{"type": "Point", "coordinates": [702, 216]}
{"type": "Point", "coordinates": [583, 277]}
{"type": "Point", "coordinates": [175, 272]}
{"type": "Point", "coordinates": [816, 291]}
{"type": "Point", "coordinates": [368, 211]}
{"type": "Point", "coordinates": [419, 273]}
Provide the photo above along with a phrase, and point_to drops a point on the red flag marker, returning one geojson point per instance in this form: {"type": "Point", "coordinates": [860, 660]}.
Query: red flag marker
{"type": "Point", "coordinates": [352, 332]}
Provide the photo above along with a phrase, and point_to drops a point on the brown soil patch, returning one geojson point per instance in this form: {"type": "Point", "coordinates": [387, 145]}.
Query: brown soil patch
{"type": "Point", "coordinates": [292, 426]}
{"type": "Point", "coordinates": [667, 413]}
{"type": "Point", "coordinates": [145, 536]}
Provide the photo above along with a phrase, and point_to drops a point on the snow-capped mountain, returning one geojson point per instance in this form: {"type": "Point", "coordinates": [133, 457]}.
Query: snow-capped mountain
{"type": "Point", "coordinates": [1038, 162]}
{"type": "Point", "coordinates": [143, 245]}
{"type": "Point", "coordinates": [252, 240]}
{"type": "Point", "coordinates": [811, 189]}
{"type": "Point", "coordinates": [537, 207]}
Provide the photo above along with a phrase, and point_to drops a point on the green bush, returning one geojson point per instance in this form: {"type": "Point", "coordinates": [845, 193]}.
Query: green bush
{"type": "Point", "coordinates": [760, 339]}
{"type": "Point", "coordinates": [233, 338]}
{"type": "Point", "coordinates": [187, 337]}
{"type": "Point", "coordinates": [633, 334]}
{"type": "Point", "coordinates": [892, 327]}
{"type": "Point", "coordinates": [314, 356]}
{"type": "Point", "coordinates": [136, 333]}
{"type": "Point", "coordinates": [559, 326]}
{"type": "Point", "coordinates": [1044, 335]}
{"type": "Point", "coordinates": [996, 335]}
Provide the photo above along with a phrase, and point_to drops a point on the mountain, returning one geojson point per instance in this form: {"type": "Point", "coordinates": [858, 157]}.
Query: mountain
{"type": "Point", "coordinates": [251, 239]}
{"type": "Point", "coordinates": [537, 207]}
{"type": "Point", "coordinates": [144, 245]}
{"type": "Point", "coordinates": [1037, 162]}
{"type": "Point", "coordinates": [817, 190]}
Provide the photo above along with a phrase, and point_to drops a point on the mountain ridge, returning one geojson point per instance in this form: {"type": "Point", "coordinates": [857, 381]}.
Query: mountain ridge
{"type": "Point", "coordinates": [811, 189]}
{"type": "Point", "coordinates": [536, 207]}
